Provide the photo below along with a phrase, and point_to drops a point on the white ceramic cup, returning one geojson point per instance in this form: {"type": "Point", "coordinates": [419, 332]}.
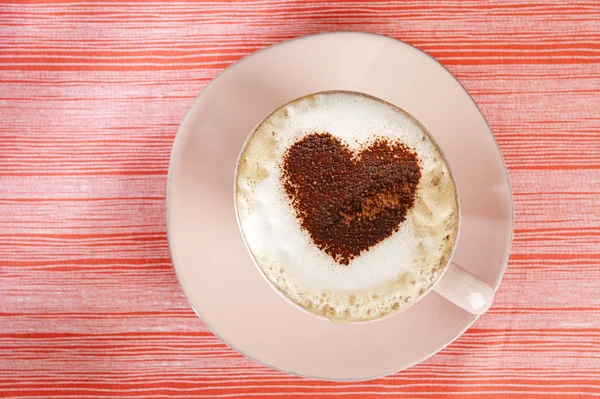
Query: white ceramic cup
{"type": "Point", "coordinates": [455, 283]}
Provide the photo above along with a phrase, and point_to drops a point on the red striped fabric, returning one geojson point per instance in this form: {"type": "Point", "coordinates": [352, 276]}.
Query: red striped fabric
{"type": "Point", "coordinates": [91, 95]}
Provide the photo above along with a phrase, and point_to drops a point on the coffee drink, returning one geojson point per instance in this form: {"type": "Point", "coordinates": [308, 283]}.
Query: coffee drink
{"type": "Point", "coordinates": [346, 205]}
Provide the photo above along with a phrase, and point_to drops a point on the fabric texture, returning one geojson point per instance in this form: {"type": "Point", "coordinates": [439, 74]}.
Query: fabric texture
{"type": "Point", "coordinates": [91, 96]}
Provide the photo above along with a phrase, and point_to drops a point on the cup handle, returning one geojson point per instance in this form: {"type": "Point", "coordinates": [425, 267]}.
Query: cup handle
{"type": "Point", "coordinates": [465, 290]}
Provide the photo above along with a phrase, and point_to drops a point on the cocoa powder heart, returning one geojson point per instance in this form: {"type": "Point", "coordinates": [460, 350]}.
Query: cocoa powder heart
{"type": "Point", "coordinates": [347, 201]}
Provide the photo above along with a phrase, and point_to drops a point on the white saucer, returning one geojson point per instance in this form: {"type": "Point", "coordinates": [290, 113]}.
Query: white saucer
{"type": "Point", "coordinates": [210, 258]}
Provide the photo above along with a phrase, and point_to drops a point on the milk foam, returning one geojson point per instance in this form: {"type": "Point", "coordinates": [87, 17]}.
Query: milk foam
{"type": "Point", "coordinates": [384, 279]}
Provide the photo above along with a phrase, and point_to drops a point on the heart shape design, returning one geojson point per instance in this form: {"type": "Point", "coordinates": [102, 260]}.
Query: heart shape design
{"type": "Point", "coordinates": [349, 201]}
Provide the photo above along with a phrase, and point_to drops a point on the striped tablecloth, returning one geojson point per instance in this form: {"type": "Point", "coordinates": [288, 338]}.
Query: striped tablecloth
{"type": "Point", "coordinates": [91, 95]}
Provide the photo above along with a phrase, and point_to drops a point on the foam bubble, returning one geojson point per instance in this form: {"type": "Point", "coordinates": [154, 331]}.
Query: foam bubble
{"type": "Point", "coordinates": [388, 277]}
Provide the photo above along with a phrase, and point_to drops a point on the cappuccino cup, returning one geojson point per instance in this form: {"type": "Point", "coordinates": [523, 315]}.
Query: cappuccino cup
{"type": "Point", "coordinates": [350, 211]}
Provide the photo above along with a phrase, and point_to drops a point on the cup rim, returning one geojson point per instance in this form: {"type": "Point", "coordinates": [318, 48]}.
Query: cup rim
{"type": "Point", "coordinates": [407, 114]}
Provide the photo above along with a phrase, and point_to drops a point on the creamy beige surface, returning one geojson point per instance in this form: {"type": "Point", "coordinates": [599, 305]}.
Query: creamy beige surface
{"type": "Point", "coordinates": [386, 278]}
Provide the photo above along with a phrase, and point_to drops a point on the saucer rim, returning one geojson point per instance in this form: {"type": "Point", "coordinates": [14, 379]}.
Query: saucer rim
{"type": "Point", "coordinates": [177, 142]}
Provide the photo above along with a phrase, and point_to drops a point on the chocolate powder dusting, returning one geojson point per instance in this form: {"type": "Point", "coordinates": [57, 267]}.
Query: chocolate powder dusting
{"type": "Point", "coordinates": [348, 202]}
